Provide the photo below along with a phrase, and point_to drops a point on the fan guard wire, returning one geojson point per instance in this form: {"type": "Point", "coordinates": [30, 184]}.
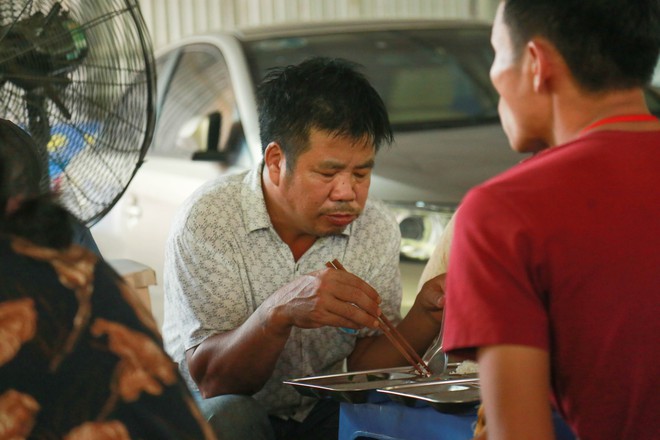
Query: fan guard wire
{"type": "Point", "coordinates": [83, 86]}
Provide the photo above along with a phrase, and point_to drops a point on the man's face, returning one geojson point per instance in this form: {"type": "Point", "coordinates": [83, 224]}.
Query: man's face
{"type": "Point", "coordinates": [328, 188]}
{"type": "Point", "coordinates": [521, 109]}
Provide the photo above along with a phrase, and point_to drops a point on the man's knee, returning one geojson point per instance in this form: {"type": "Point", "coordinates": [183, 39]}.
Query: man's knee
{"type": "Point", "coordinates": [234, 416]}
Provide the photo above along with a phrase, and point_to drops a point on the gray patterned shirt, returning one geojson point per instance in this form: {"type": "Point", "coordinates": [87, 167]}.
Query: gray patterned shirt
{"type": "Point", "coordinates": [224, 258]}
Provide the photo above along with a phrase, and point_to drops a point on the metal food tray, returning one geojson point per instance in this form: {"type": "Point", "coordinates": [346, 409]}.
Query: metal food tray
{"type": "Point", "coordinates": [448, 395]}
{"type": "Point", "coordinates": [354, 387]}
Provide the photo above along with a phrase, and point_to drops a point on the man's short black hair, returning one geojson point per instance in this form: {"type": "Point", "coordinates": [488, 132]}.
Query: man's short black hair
{"type": "Point", "coordinates": [607, 44]}
{"type": "Point", "coordinates": [322, 93]}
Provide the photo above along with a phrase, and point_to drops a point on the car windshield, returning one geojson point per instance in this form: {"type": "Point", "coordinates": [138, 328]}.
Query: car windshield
{"type": "Point", "coordinates": [428, 78]}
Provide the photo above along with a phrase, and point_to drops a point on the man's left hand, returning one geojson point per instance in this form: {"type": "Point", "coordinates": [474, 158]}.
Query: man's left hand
{"type": "Point", "coordinates": [431, 298]}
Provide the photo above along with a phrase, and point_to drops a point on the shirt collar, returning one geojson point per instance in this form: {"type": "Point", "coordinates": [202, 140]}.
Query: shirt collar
{"type": "Point", "coordinates": [253, 203]}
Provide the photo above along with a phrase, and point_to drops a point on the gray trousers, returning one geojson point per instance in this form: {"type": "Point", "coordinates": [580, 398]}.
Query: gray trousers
{"type": "Point", "coordinates": [240, 417]}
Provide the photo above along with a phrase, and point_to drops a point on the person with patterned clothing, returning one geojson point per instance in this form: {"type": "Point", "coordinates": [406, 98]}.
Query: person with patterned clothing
{"type": "Point", "coordinates": [248, 299]}
{"type": "Point", "coordinates": [80, 357]}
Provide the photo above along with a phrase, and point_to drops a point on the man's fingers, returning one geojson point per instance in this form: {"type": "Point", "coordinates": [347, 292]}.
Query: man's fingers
{"type": "Point", "coordinates": [353, 282]}
{"type": "Point", "coordinates": [341, 314]}
{"type": "Point", "coordinates": [334, 297]}
{"type": "Point", "coordinates": [346, 314]}
{"type": "Point", "coordinates": [359, 316]}
{"type": "Point", "coordinates": [349, 288]}
{"type": "Point", "coordinates": [351, 316]}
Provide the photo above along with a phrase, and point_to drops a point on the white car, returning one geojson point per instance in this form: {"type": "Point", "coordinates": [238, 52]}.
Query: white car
{"type": "Point", "coordinates": [432, 75]}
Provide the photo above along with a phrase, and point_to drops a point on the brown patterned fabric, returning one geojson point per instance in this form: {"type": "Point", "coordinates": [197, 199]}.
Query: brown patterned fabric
{"type": "Point", "coordinates": [80, 358]}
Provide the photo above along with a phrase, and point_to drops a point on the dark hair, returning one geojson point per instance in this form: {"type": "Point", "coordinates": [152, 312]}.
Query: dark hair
{"type": "Point", "coordinates": [23, 170]}
{"type": "Point", "coordinates": [323, 93]}
{"type": "Point", "coordinates": [607, 44]}
{"type": "Point", "coordinates": [38, 218]}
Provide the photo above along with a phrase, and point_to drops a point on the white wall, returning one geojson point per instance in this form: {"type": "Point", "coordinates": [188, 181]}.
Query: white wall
{"type": "Point", "coordinates": [169, 20]}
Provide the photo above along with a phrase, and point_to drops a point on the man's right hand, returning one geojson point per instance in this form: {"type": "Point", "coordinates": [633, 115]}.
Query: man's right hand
{"type": "Point", "coordinates": [327, 297]}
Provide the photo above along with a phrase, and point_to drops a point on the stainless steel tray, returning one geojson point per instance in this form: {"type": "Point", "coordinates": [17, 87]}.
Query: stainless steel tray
{"type": "Point", "coordinates": [448, 395]}
{"type": "Point", "coordinates": [354, 387]}
{"type": "Point", "coordinates": [358, 386]}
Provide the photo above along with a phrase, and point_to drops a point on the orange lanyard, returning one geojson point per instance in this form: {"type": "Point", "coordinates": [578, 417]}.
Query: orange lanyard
{"type": "Point", "coordinates": [643, 117]}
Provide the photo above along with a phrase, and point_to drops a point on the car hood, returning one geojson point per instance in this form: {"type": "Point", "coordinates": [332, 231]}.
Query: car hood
{"type": "Point", "coordinates": [440, 166]}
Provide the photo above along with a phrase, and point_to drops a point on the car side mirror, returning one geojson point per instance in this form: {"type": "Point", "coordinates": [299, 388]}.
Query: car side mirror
{"type": "Point", "coordinates": [206, 130]}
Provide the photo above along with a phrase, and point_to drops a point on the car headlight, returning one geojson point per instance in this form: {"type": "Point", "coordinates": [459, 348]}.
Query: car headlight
{"type": "Point", "coordinates": [421, 225]}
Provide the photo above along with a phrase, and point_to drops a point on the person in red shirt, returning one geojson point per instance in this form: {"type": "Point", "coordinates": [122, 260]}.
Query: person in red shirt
{"type": "Point", "coordinates": [554, 272]}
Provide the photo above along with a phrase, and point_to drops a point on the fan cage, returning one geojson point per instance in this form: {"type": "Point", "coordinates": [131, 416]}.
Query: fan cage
{"type": "Point", "coordinates": [84, 89]}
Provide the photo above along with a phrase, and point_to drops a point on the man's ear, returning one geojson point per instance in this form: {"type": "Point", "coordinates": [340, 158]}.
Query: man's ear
{"type": "Point", "coordinates": [275, 162]}
{"type": "Point", "coordinates": [542, 63]}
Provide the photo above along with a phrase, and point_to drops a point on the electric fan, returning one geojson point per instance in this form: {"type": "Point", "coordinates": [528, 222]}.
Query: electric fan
{"type": "Point", "coordinates": [78, 76]}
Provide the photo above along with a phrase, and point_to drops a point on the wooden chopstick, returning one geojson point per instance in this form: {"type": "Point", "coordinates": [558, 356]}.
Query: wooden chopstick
{"type": "Point", "coordinates": [395, 337]}
{"type": "Point", "coordinates": [387, 331]}
{"type": "Point", "coordinates": [417, 360]}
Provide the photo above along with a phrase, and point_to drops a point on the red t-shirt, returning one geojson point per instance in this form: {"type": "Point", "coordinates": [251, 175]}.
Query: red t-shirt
{"type": "Point", "coordinates": [562, 253]}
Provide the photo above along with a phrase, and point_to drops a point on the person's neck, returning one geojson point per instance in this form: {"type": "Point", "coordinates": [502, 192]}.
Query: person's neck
{"type": "Point", "coordinates": [578, 111]}
{"type": "Point", "coordinates": [298, 241]}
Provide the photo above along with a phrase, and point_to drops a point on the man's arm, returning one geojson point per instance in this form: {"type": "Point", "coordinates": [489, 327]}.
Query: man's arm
{"type": "Point", "coordinates": [240, 361]}
{"type": "Point", "coordinates": [515, 389]}
{"type": "Point", "coordinates": [419, 327]}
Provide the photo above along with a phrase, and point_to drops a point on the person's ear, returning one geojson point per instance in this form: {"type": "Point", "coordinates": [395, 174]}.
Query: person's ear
{"type": "Point", "coordinates": [275, 162]}
{"type": "Point", "coordinates": [542, 63]}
